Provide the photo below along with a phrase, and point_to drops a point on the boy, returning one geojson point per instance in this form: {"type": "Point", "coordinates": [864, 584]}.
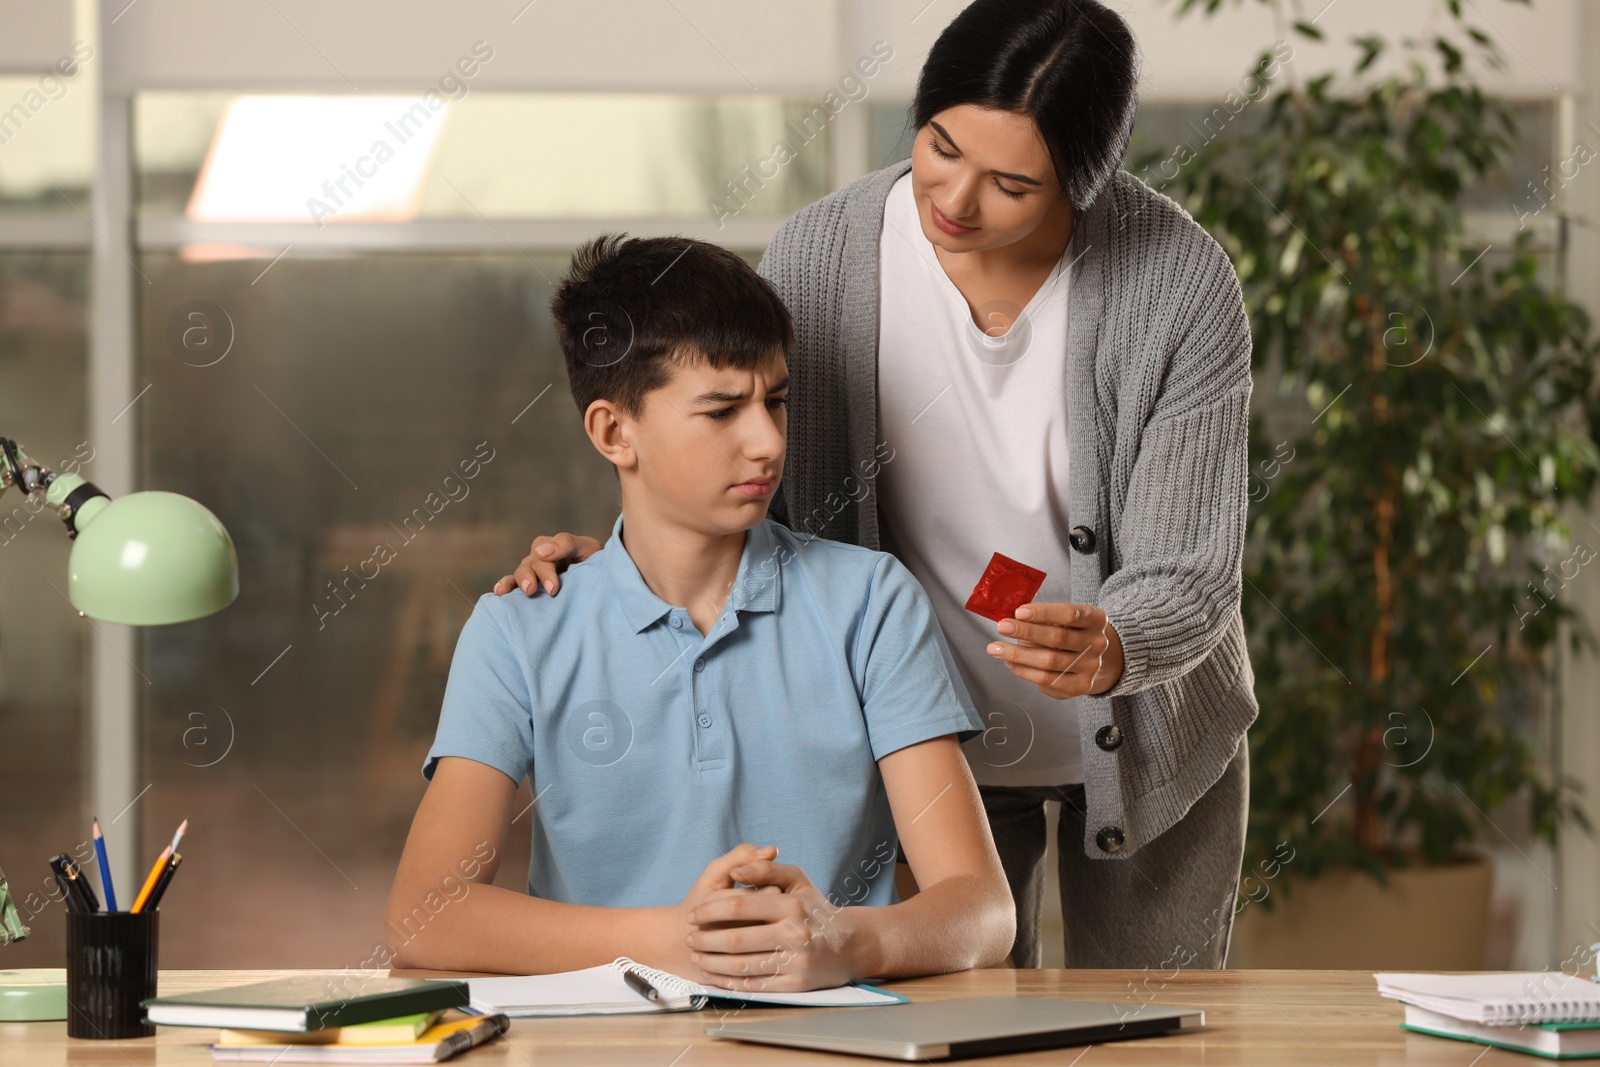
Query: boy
{"type": "Point", "coordinates": [709, 693]}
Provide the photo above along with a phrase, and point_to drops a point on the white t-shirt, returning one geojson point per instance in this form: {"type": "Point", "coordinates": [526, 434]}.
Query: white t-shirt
{"type": "Point", "coordinates": [978, 425]}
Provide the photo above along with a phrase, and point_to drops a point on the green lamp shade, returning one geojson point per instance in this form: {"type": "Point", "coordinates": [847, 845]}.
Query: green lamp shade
{"type": "Point", "coordinates": [151, 558]}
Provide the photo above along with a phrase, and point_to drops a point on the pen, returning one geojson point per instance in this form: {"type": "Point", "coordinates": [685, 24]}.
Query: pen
{"type": "Point", "coordinates": [183, 828]}
{"type": "Point", "coordinates": [69, 893]}
{"type": "Point", "coordinates": [491, 1027]}
{"type": "Point", "coordinates": [150, 882]}
{"type": "Point", "coordinates": [161, 883]}
{"type": "Point", "coordinates": [105, 867]}
{"type": "Point", "coordinates": [80, 882]}
{"type": "Point", "coordinates": [641, 985]}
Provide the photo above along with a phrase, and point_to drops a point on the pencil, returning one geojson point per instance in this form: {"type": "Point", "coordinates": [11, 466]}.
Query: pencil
{"type": "Point", "coordinates": [161, 883]}
{"type": "Point", "coordinates": [150, 882]}
{"type": "Point", "coordinates": [105, 867]}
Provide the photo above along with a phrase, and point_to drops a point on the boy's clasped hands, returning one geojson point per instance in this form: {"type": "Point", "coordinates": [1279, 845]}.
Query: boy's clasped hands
{"type": "Point", "coordinates": [750, 923]}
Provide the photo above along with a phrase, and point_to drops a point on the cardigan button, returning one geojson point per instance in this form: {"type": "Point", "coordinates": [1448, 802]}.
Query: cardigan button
{"type": "Point", "coordinates": [1109, 738]}
{"type": "Point", "coordinates": [1081, 538]}
{"type": "Point", "coordinates": [1109, 838]}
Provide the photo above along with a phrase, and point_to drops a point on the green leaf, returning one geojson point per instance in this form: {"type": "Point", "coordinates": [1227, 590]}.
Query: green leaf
{"type": "Point", "coordinates": [1371, 47]}
{"type": "Point", "coordinates": [1450, 53]}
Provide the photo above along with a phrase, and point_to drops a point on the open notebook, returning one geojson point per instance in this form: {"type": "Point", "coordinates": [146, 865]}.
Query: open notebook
{"type": "Point", "coordinates": [603, 991]}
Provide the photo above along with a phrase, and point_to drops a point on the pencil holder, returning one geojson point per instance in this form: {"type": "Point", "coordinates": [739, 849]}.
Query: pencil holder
{"type": "Point", "coordinates": [111, 967]}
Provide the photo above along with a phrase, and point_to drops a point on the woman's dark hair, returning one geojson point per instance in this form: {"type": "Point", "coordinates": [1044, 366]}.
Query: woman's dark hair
{"type": "Point", "coordinates": [1070, 65]}
{"type": "Point", "coordinates": [632, 308]}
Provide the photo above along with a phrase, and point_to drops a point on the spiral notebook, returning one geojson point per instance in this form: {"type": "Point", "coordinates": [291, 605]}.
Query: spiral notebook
{"type": "Point", "coordinates": [1496, 999]}
{"type": "Point", "coordinates": [602, 990]}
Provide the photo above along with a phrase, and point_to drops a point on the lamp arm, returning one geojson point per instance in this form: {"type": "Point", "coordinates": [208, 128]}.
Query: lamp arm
{"type": "Point", "coordinates": [11, 927]}
{"type": "Point", "coordinates": [12, 471]}
{"type": "Point", "coordinates": [71, 496]}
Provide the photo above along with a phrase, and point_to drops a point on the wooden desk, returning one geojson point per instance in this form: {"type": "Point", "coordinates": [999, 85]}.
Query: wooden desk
{"type": "Point", "coordinates": [1268, 1018]}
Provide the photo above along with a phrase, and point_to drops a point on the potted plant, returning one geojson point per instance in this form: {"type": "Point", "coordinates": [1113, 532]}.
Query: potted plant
{"type": "Point", "coordinates": [1428, 410]}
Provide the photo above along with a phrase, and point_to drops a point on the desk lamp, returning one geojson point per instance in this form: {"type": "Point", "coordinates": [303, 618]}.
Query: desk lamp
{"type": "Point", "coordinates": [145, 559]}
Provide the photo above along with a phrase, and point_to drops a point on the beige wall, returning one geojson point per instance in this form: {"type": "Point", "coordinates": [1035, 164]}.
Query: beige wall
{"type": "Point", "coordinates": [790, 46]}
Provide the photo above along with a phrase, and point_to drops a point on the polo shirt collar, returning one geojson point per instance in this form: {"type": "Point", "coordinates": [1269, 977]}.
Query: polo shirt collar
{"type": "Point", "coordinates": [758, 586]}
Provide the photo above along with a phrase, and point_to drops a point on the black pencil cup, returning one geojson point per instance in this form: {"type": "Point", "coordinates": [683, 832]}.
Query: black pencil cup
{"type": "Point", "coordinates": [111, 967]}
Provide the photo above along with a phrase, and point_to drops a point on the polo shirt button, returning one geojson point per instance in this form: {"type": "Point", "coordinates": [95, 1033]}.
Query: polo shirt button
{"type": "Point", "coordinates": [705, 720]}
{"type": "Point", "coordinates": [1081, 538]}
{"type": "Point", "coordinates": [1108, 738]}
{"type": "Point", "coordinates": [700, 664]}
{"type": "Point", "coordinates": [676, 623]}
{"type": "Point", "coordinates": [1109, 838]}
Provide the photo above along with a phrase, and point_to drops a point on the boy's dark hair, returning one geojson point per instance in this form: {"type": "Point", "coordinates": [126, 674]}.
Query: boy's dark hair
{"type": "Point", "coordinates": [1070, 65]}
{"type": "Point", "coordinates": [632, 308]}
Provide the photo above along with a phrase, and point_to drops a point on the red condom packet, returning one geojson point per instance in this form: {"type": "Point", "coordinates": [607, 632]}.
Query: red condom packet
{"type": "Point", "coordinates": [1006, 585]}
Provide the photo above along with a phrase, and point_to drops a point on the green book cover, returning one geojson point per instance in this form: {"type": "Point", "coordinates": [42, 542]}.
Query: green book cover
{"type": "Point", "coordinates": [1501, 1044]}
{"type": "Point", "coordinates": [378, 1032]}
{"type": "Point", "coordinates": [307, 1002]}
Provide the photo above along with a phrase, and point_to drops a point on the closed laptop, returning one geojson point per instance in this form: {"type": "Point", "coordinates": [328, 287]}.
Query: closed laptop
{"type": "Point", "coordinates": [973, 1026]}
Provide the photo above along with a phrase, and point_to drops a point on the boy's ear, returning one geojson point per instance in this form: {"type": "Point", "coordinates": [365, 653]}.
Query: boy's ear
{"type": "Point", "coordinates": [611, 432]}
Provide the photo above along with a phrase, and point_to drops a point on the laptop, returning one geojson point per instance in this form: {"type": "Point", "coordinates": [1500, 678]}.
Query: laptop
{"type": "Point", "coordinates": [972, 1026]}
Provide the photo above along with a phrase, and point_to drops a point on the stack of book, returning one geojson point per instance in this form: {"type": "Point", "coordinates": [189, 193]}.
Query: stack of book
{"type": "Point", "coordinates": [1546, 1013]}
{"type": "Point", "coordinates": [333, 1019]}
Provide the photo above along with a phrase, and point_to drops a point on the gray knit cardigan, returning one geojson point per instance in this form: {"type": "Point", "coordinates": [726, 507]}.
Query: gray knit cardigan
{"type": "Point", "coordinates": [1158, 361]}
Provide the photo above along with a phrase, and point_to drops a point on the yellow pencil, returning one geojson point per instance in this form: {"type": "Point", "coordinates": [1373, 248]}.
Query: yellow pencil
{"type": "Point", "coordinates": [150, 882]}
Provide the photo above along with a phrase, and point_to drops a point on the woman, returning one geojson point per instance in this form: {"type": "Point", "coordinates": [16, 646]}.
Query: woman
{"type": "Point", "coordinates": [938, 395]}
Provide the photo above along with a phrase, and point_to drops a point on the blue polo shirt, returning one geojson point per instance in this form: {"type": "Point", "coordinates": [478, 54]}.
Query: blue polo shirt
{"type": "Point", "coordinates": [652, 749]}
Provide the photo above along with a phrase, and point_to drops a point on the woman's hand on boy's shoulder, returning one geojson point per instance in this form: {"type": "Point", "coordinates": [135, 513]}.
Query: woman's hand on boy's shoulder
{"type": "Point", "coordinates": [547, 557]}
